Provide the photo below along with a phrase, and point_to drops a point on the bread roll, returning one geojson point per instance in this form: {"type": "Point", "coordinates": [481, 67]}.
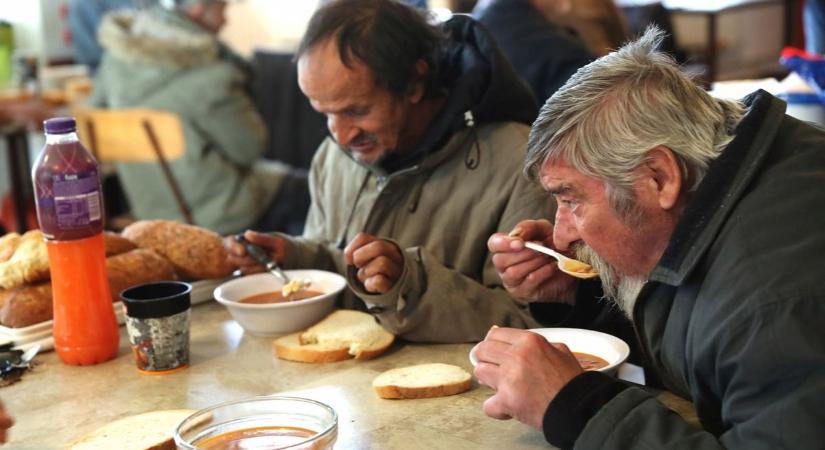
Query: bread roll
{"type": "Point", "coordinates": [8, 244]}
{"type": "Point", "coordinates": [196, 253]}
{"type": "Point", "coordinates": [422, 381]}
{"type": "Point", "coordinates": [341, 335]}
{"type": "Point", "coordinates": [27, 305]}
{"type": "Point", "coordinates": [28, 264]}
{"type": "Point", "coordinates": [138, 266]}
{"type": "Point", "coordinates": [117, 244]}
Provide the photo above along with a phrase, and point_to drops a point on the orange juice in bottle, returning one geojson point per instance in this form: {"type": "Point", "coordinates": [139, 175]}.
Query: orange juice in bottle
{"type": "Point", "coordinates": [70, 214]}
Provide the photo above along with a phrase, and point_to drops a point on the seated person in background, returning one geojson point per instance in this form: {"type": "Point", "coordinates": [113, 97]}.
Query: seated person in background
{"type": "Point", "coordinates": [543, 53]}
{"type": "Point", "coordinates": [428, 129]}
{"type": "Point", "coordinates": [84, 19]}
{"type": "Point", "coordinates": [169, 58]}
{"type": "Point", "coordinates": [705, 218]}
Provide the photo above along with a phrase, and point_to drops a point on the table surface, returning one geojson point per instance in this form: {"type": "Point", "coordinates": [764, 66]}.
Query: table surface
{"type": "Point", "coordinates": [55, 404]}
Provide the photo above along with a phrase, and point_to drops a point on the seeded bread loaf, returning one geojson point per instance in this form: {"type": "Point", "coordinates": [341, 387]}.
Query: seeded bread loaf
{"type": "Point", "coordinates": [341, 335]}
{"type": "Point", "coordinates": [196, 253]}
{"type": "Point", "coordinates": [422, 381]}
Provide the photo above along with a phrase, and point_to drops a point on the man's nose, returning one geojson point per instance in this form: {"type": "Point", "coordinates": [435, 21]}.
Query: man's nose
{"type": "Point", "coordinates": [564, 231]}
{"type": "Point", "coordinates": [341, 130]}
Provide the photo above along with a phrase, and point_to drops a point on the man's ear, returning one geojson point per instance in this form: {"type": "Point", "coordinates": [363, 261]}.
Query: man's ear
{"type": "Point", "coordinates": [422, 69]}
{"type": "Point", "coordinates": [662, 176]}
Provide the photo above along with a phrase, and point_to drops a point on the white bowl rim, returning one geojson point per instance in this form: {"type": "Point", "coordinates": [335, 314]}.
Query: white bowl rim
{"type": "Point", "coordinates": [218, 292]}
{"type": "Point", "coordinates": [619, 344]}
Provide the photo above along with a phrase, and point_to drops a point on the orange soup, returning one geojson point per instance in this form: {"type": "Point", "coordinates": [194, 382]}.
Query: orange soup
{"type": "Point", "coordinates": [278, 297]}
{"type": "Point", "coordinates": [258, 437]}
{"type": "Point", "coordinates": [590, 362]}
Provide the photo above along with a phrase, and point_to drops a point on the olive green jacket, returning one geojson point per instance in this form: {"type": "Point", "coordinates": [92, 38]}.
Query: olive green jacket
{"type": "Point", "coordinates": [440, 213]}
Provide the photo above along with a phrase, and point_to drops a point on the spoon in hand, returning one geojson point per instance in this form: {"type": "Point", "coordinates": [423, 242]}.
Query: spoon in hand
{"type": "Point", "coordinates": [567, 265]}
{"type": "Point", "coordinates": [289, 286]}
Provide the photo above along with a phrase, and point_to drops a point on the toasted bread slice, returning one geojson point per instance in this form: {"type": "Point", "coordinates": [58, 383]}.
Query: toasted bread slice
{"type": "Point", "coordinates": [422, 381]}
{"type": "Point", "coordinates": [341, 335]}
{"type": "Point", "coordinates": [148, 431]}
{"type": "Point", "coordinates": [290, 348]}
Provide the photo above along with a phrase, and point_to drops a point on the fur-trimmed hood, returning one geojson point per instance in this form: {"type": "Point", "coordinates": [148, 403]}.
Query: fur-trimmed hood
{"type": "Point", "coordinates": [157, 37]}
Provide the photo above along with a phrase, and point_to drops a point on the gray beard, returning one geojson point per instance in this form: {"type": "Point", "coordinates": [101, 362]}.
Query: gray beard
{"type": "Point", "coordinates": [623, 291]}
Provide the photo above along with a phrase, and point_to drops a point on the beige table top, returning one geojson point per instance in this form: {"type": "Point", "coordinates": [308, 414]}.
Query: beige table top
{"type": "Point", "coordinates": [55, 403]}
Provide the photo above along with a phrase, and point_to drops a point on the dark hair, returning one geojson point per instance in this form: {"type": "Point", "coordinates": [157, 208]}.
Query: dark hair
{"type": "Point", "coordinates": [387, 36]}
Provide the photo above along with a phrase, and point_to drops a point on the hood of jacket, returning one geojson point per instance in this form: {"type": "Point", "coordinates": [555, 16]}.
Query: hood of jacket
{"type": "Point", "coordinates": [157, 37]}
{"type": "Point", "coordinates": [480, 85]}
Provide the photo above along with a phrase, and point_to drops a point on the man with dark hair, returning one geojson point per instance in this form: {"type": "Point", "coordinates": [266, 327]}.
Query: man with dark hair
{"type": "Point", "coordinates": [543, 53]}
{"type": "Point", "coordinates": [428, 125]}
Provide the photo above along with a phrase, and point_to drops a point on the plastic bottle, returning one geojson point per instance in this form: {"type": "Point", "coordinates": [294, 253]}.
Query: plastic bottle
{"type": "Point", "coordinates": [70, 213]}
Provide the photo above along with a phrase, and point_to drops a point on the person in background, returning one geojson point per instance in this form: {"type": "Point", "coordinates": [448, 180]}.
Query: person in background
{"type": "Point", "coordinates": [428, 128]}
{"type": "Point", "coordinates": [705, 219]}
{"type": "Point", "coordinates": [543, 53]}
{"type": "Point", "coordinates": [169, 58]}
{"type": "Point", "coordinates": [84, 19]}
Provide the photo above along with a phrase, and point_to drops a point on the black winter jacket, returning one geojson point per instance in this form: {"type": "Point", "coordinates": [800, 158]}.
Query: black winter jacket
{"type": "Point", "coordinates": [544, 54]}
{"type": "Point", "coordinates": [733, 316]}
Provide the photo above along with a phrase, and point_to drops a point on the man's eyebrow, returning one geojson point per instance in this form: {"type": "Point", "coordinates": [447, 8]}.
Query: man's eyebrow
{"type": "Point", "coordinates": [561, 189]}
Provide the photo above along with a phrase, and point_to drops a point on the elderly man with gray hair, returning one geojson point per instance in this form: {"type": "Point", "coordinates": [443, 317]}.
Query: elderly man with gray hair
{"type": "Point", "coordinates": [705, 219]}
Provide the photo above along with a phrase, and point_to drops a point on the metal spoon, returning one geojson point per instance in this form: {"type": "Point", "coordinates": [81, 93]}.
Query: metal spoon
{"type": "Point", "coordinates": [570, 266]}
{"type": "Point", "coordinates": [260, 255]}
{"type": "Point", "coordinates": [289, 286]}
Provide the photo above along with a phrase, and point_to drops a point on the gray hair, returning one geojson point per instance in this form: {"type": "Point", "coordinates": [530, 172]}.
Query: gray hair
{"type": "Point", "coordinates": [612, 112]}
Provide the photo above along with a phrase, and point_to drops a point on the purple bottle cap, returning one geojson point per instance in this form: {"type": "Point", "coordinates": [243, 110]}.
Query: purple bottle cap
{"type": "Point", "coordinates": [60, 125]}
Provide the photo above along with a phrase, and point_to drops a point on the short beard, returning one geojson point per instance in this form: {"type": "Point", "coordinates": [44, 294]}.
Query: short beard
{"type": "Point", "coordinates": [623, 291]}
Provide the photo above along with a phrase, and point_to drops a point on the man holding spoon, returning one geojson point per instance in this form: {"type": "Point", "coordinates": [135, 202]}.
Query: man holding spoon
{"type": "Point", "coordinates": [704, 218]}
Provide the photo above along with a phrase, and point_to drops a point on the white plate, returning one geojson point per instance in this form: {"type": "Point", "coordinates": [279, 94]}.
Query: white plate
{"type": "Point", "coordinates": [606, 346]}
{"type": "Point", "coordinates": [201, 292]}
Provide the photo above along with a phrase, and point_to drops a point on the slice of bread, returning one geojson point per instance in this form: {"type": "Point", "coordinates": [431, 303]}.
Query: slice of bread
{"type": "Point", "coordinates": [290, 348]}
{"type": "Point", "coordinates": [341, 335]}
{"type": "Point", "coordinates": [148, 431]}
{"type": "Point", "coordinates": [422, 381]}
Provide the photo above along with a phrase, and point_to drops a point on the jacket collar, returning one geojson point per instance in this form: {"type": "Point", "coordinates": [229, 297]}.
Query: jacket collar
{"type": "Point", "coordinates": [480, 86]}
{"type": "Point", "coordinates": [724, 184]}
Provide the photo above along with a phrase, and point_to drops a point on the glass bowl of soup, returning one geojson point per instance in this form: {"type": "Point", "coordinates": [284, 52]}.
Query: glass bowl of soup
{"type": "Point", "coordinates": [270, 422]}
{"type": "Point", "coordinates": [258, 304]}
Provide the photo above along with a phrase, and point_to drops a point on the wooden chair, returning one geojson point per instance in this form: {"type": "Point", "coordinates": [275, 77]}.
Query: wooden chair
{"type": "Point", "coordinates": [136, 135]}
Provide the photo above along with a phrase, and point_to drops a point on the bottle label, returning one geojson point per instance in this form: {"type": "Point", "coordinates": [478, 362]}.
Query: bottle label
{"type": "Point", "coordinates": [77, 200]}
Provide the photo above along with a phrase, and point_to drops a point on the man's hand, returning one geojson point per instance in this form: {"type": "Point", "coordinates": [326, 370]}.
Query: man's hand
{"type": "Point", "coordinates": [526, 372]}
{"type": "Point", "coordinates": [528, 274]}
{"type": "Point", "coordinates": [379, 262]}
{"type": "Point", "coordinates": [274, 246]}
{"type": "Point", "coordinates": [5, 423]}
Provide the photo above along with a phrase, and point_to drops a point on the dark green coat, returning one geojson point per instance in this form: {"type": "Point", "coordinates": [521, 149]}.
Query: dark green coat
{"type": "Point", "coordinates": [733, 317]}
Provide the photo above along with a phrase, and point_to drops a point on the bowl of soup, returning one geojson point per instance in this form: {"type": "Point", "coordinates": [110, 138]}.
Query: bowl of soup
{"type": "Point", "coordinates": [259, 304]}
{"type": "Point", "coordinates": [270, 422]}
{"type": "Point", "coordinates": [594, 350]}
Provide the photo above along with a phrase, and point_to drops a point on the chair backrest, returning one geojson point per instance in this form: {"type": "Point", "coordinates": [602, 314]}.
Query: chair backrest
{"type": "Point", "coordinates": [136, 135]}
{"type": "Point", "coordinates": [119, 135]}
